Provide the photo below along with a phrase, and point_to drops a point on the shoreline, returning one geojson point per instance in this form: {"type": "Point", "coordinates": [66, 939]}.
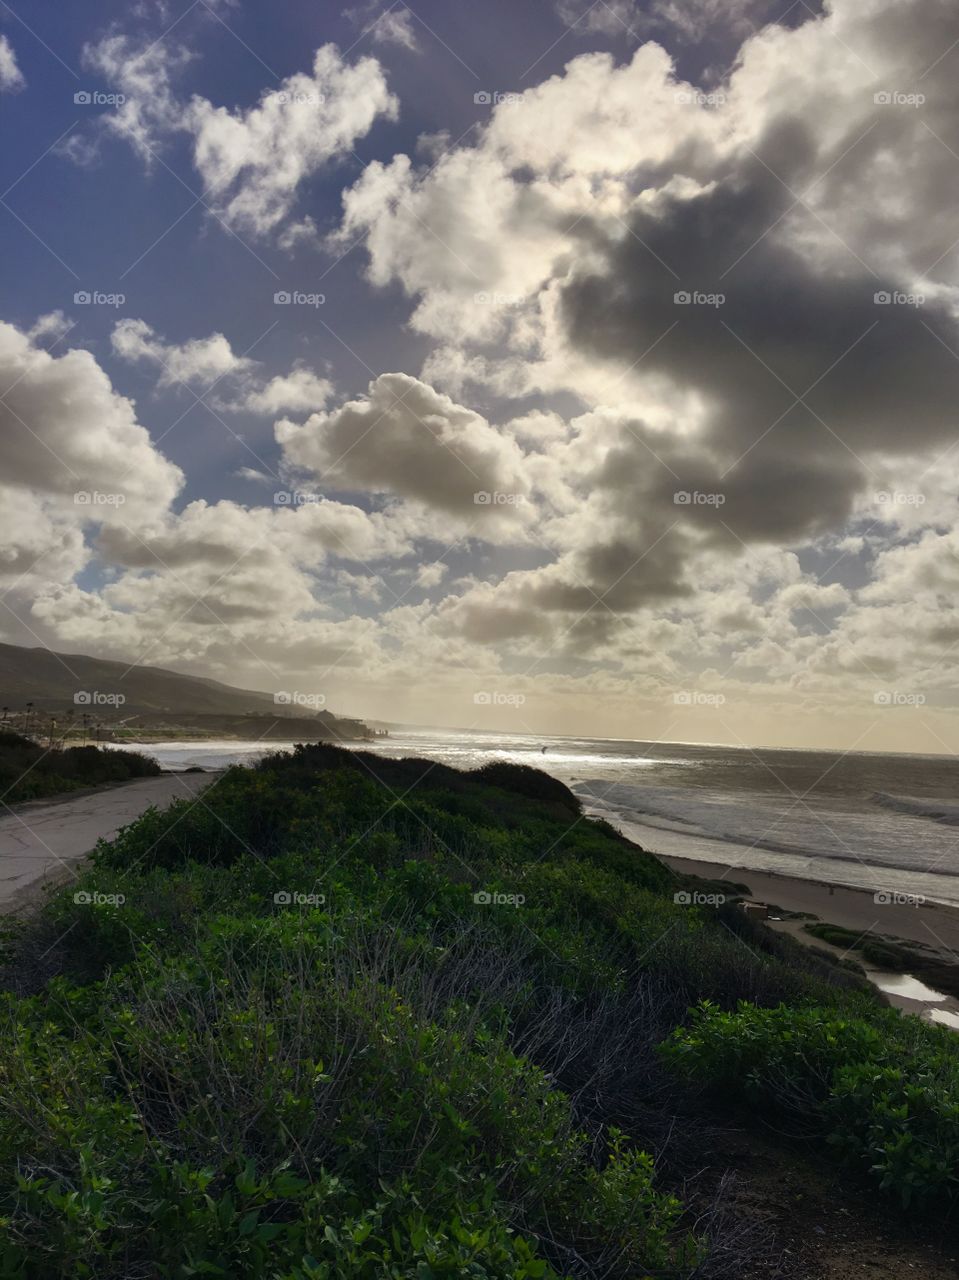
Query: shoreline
{"type": "Point", "coordinates": [931, 927]}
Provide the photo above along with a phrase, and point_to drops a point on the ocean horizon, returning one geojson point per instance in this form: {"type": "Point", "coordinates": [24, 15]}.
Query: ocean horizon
{"type": "Point", "coordinates": [861, 819]}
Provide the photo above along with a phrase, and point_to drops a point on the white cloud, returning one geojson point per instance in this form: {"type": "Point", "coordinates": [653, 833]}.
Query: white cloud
{"type": "Point", "coordinates": [66, 430]}
{"type": "Point", "coordinates": [202, 360]}
{"type": "Point", "coordinates": [406, 439]}
{"type": "Point", "coordinates": [11, 77]}
{"type": "Point", "coordinates": [144, 74]}
{"type": "Point", "coordinates": [252, 161]}
{"type": "Point", "coordinates": [384, 26]}
{"type": "Point", "coordinates": [300, 391]}
{"type": "Point", "coordinates": [74, 458]}
{"type": "Point", "coordinates": [212, 360]}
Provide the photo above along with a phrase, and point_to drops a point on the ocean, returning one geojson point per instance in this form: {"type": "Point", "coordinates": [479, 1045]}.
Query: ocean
{"type": "Point", "coordinates": [861, 819]}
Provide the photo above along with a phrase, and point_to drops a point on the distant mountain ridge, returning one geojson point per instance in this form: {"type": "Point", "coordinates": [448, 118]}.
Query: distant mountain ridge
{"type": "Point", "coordinates": [57, 682]}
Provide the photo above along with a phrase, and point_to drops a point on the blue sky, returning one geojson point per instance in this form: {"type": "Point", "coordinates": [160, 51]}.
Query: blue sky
{"type": "Point", "coordinates": [627, 394]}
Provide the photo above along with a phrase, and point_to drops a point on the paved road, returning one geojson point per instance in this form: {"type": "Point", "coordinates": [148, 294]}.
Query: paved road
{"type": "Point", "coordinates": [41, 841]}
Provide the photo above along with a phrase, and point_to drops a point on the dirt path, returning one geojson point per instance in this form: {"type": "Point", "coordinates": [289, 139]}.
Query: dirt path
{"type": "Point", "coordinates": [42, 841]}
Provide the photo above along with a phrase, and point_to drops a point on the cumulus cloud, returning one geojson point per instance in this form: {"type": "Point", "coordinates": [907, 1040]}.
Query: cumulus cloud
{"type": "Point", "coordinates": [74, 458]}
{"type": "Point", "coordinates": [11, 77]}
{"type": "Point", "coordinates": [695, 21]}
{"type": "Point", "coordinates": [252, 161]}
{"type": "Point", "coordinates": [406, 439]}
{"type": "Point", "coordinates": [211, 360]}
{"type": "Point", "coordinates": [730, 290]}
{"type": "Point", "coordinates": [651, 314]}
{"type": "Point", "coordinates": [202, 360]}
{"type": "Point", "coordinates": [67, 431]}
{"type": "Point", "coordinates": [299, 391]}
{"type": "Point", "coordinates": [384, 26]}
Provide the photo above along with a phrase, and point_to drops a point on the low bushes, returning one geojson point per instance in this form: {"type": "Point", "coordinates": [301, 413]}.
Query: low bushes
{"type": "Point", "coordinates": [31, 772]}
{"type": "Point", "coordinates": [341, 1018]}
{"type": "Point", "coordinates": [883, 1091]}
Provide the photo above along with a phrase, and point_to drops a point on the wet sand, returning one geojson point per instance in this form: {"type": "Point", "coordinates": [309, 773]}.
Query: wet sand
{"type": "Point", "coordinates": [931, 927]}
{"type": "Point", "coordinates": [42, 841]}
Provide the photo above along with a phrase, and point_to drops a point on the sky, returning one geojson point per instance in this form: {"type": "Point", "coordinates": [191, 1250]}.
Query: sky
{"type": "Point", "coordinates": [555, 368]}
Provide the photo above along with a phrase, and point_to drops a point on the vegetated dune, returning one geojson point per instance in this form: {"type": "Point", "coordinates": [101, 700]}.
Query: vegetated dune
{"type": "Point", "coordinates": [348, 1016]}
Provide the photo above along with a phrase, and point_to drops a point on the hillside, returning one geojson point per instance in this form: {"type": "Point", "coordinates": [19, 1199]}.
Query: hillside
{"type": "Point", "coordinates": [153, 698]}
{"type": "Point", "coordinates": [353, 1017]}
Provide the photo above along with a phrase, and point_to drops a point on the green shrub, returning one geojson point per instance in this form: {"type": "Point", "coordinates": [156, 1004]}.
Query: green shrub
{"type": "Point", "coordinates": [394, 1074]}
{"type": "Point", "coordinates": [885, 1091]}
{"type": "Point", "coordinates": [31, 772]}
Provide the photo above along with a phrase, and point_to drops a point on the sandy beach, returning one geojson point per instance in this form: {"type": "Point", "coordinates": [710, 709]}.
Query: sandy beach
{"type": "Point", "coordinates": [931, 927]}
{"type": "Point", "coordinates": [929, 924]}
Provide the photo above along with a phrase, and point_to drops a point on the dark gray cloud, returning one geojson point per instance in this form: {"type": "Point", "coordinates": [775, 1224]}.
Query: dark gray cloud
{"type": "Point", "coordinates": [802, 374]}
